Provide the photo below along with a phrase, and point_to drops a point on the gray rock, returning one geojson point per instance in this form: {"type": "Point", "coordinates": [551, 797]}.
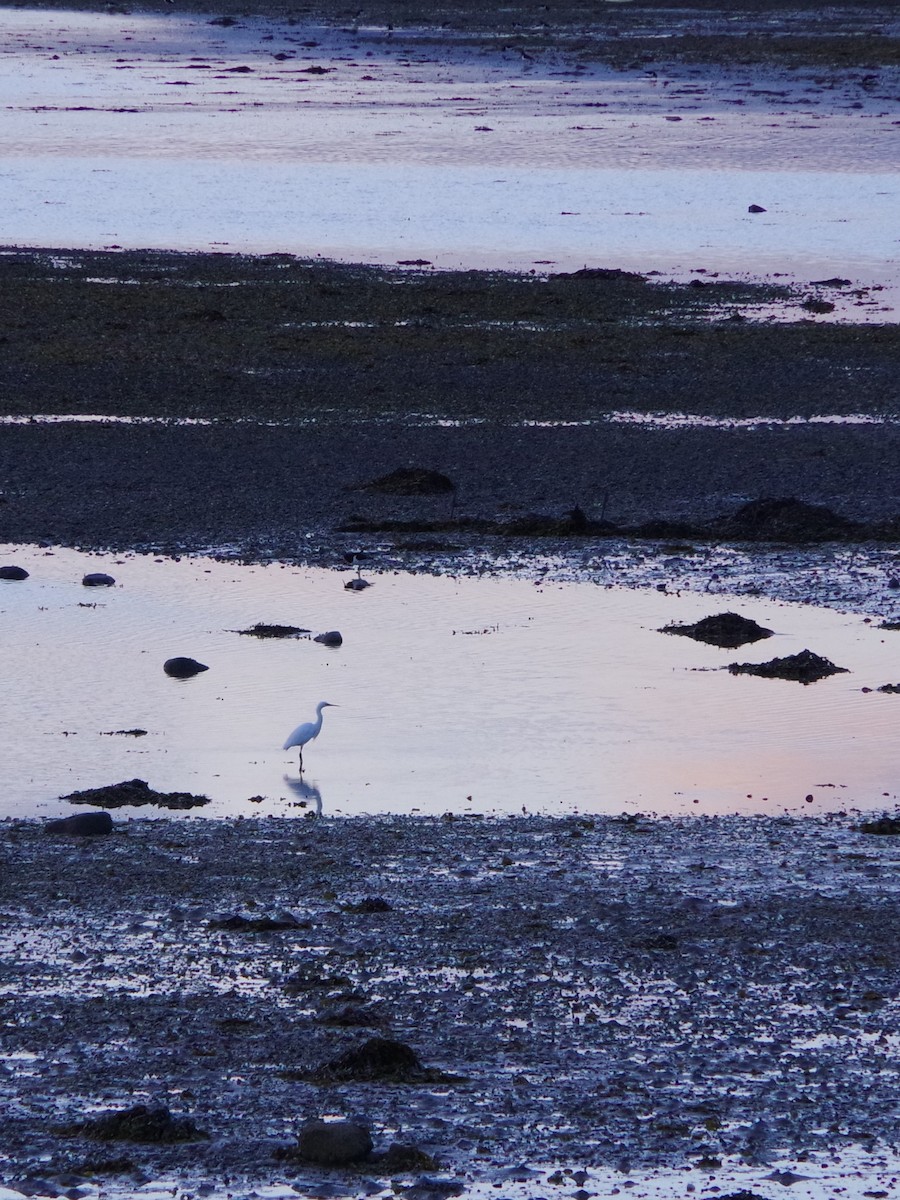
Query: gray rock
{"type": "Point", "coordinates": [183, 668]}
{"type": "Point", "coordinates": [89, 824]}
{"type": "Point", "coordinates": [98, 579]}
{"type": "Point", "coordinates": [331, 638]}
{"type": "Point", "coordinates": [333, 1143]}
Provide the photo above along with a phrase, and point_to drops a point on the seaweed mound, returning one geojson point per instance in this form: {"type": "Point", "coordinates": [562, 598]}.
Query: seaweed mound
{"type": "Point", "coordinates": [379, 1060]}
{"type": "Point", "coordinates": [728, 630]}
{"type": "Point", "coordinates": [784, 520]}
{"type": "Point", "coordinates": [142, 1123]}
{"type": "Point", "coordinates": [804, 667]}
{"type": "Point", "coordinates": [134, 792]}
{"type": "Point", "coordinates": [883, 826]}
{"type": "Point", "coordinates": [262, 630]}
{"type": "Point", "coordinates": [411, 481]}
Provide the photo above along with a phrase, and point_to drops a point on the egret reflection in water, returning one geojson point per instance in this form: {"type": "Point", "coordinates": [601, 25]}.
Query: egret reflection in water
{"type": "Point", "coordinates": [307, 791]}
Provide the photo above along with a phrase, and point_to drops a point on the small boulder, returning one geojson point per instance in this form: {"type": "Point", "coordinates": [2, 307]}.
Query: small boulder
{"type": "Point", "coordinates": [756, 208]}
{"type": "Point", "coordinates": [183, 668]}
{"type": "Point", "coordinates": [13, 573]}
{"type": "Point", "coordinates": [331, 638]}
{"type": "Point", "coordinates": [333, 1143]}
{"type": "Point", "coordinates": [91, 824]}
{"type": "Point", "coordinates": [98, 579]}
{"type": "Point", "coordinates": [356, 585]}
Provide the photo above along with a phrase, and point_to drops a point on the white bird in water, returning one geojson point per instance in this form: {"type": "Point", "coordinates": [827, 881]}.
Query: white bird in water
{"type": "Point", "coordinates": [308, 730]}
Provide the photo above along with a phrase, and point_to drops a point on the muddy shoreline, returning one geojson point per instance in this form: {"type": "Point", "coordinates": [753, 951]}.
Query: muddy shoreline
{"type": "Point", "coordinates": [258, 394]}
{"type": "Point", "coordinates": [716, 998]}
{"type": "Point", "coordinates": [854, 34]}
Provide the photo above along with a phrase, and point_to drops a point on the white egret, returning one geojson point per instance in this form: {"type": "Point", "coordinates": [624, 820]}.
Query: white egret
{"type": "Point", "coordinates": [308, 730]}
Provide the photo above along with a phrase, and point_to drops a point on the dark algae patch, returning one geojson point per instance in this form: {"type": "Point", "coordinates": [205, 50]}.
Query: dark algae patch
{"type": "Point", "coordinates": [728, 630]}
{"type": "Point", "coordinates": [804, 667]}
{"type": "Point", "coordinates": [134, 792]}
{"type": "Point", "coordinates": [141, 1123]}
{"type": "Point", "coordinates": [262, 630]}
{"type": "Point", "coordinates": [886, 826]}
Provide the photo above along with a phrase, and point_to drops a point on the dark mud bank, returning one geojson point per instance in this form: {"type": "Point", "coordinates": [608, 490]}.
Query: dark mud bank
{"type": "Point", "coordinates": [597, 994]}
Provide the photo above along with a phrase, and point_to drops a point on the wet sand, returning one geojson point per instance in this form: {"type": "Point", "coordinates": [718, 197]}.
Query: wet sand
{"type": "Point", "coordinates": [715, 999]}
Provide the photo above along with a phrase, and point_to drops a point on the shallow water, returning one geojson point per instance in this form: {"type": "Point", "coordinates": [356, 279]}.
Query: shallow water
{"type": "Point", "coordinates": [465, 695]}
{"type": "Point", "coordinates": [164, 131]}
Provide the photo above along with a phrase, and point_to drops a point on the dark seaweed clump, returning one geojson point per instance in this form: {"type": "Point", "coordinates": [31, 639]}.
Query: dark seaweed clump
{"type": "Point", "coordinates": [728, 630]}
{"type": "Point", "coordinates": [885, 826]}
{"type": "Point", "coordinates": [142, 1123]}
{"type": "Point", "coordinates": [804, 667]}
{"type": "Point", "coordinates": [134, 792]}
{"type": "Point", "coordinates": [261, 630]}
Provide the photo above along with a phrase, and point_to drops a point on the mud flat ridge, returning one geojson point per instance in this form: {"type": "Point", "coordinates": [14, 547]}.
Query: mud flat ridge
{"type": "Point", "coordinates": [618, 997]}
{"type": "Point", "coordinates": [210, 402]}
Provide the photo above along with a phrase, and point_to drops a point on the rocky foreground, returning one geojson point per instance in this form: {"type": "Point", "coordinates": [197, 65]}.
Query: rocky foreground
{"type": "Point", "coordinates": [575, 1001]}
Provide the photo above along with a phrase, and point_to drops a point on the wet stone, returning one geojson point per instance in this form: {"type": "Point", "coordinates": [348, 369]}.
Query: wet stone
{"type": "Point", "coordinates": [183, 668]}
{"type": "Point", "coordinates": [333, 1143]}
{"type": "Point", "coordinates": [331, 638]}
{"type": "Point", "coordinates": [98, 579]}
{"type": "Point", "coordinates": [94, 824]}
{"type": "Point", "coordinates": [400, 1158]}
{"type": "Point", "coordinates": [13, 573]}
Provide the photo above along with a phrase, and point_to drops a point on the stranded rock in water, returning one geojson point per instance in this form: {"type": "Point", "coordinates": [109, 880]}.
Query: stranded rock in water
{"type": "Point", "coordinates": [728, 630]}
{"type": "Point", "coordinates": [331, 638]}
{"type": "Point", "coordinates": [90, 824]}
{"type": "Point", "coordinates": [333, 1143]}
{"type": "Point", "coordinates": [183, 668]}
{"type": "Point", "coordinates": [804, 667]}
{"type": "Point", "coordinates": [13, 573]}
{"type": "Point", "coordinates": [98, 579]}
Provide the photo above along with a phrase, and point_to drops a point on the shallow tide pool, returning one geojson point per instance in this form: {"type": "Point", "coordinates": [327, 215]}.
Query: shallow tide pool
{"type": "Point", "coordinates": [491, 695]}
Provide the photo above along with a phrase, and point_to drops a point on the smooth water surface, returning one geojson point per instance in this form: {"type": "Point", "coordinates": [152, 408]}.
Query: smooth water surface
{"type": "Point", "coordinates": [456, 694]}
{"type": "Point", "coordinates": [166, 131]}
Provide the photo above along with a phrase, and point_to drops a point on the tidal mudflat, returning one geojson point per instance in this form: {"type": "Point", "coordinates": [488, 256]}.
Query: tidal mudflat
{"type": "Point", "coordinates": [599, 1006]}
